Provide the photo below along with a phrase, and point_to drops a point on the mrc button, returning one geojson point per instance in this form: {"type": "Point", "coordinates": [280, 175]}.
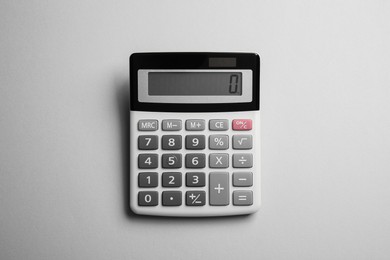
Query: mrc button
{"type": "Point", "coordinates": [147, 125]}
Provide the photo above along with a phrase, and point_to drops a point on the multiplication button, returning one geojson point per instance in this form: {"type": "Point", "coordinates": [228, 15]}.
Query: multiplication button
{"type": "Point", "coordinates": [219, 160]}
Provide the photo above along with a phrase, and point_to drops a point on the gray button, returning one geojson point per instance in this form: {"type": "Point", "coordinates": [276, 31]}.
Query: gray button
{"type": "Point", "coordinates": [195, 124]}
{"type": "Point", "coordinates": [172, 160]}
{"type": "Point", "coordinates": [242, 198]}
{"type": "Point", "coordinates": [147, 142]}
{"type": "Point", "coordinates": [171, 198]}
{"type": "Point", "coordinates": [195, 179]}
{"type": "Point", "coordinates": [242, 142]}
{"type": "Point", "coordinates": [242, 160]}
{"type": "Point", "coordinates": [242, 179]}
{"type": "Point", "coordinates": [219, 188]}
{"type": "Point", "coordinates": [195, 198]}
{"type": "Point", "coordinates": [218, 142]}
{"type": "Point", "coordinates": [171, 179]}
{"type": "Point", "coordinates": [147, 125]}
{"type": "Point", "coordinates": [195, 160]}
{"type": "Point", "coordinates": [171, 142]}
{"type": "Point", "coordinates": [147, 198]}
{"type": "Point", "coordinates": [218, 124]}
{"type": "Point", "coordinates": [147, 179]}
{"type": "Point", "coordinates": [147, 161]}
{"type": "Point", "coordinates": [195, 142]}
{"type": "Point", "coordinates": [219, 160]}
{"type": "Point", "coordinates": [171, 125]}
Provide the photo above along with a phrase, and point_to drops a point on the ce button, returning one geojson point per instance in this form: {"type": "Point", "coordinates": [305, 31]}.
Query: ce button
{"type": "Point", "coordinates": [219, 124]}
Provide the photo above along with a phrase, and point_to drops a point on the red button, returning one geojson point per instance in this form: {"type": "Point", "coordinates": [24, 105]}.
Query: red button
{"type": "Point", "coordinates": [242, 124]}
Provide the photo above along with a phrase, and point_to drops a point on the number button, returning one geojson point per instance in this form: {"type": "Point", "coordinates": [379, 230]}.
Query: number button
{"type": "Point", "coordinates": [172, 160]}
{"type": "Point", "coordinates": [171, 198]}
{"type": "Point", "coordinates": [242, 142]}
{"type": "Point", "coordinates": [219, 160]}
{"type": "Point", "coordinates": [147, 142]}
{"type": "Point", "coordinates": [195, 179]}
{"type": "Point", "coordinates": [171, 179]}
{"type": "Point", "coordinates": [218, 142]}
{"type": "Point", "coordinates": [195, 160]}
{"type": "Point", "coordinates": [195, 142]}
{"type": "Point", "coordinates": [147, 198]}
{"type": "Point", "coordinates": [147, 161]}
{"type": "Point", "coordinates": [147, 179]}
{"type": "Point", "coordinates": [171, 142]}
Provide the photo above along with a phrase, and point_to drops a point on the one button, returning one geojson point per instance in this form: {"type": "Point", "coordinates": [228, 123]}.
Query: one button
{"type": "Point", "coordinates": [171, 179]}
{"type": "Point", "coordinates": [242, 160]}
{"type": "Point", "coordinates": [195, 124]}
{"type": "Point", "coordinates": [171, 198]}
{"type": "Point", "coordinates": [195, 160]}
{"type": "Point", "coordinates": [171, 142]}
{"type": "Point", "coordinates": [218, 142]}
{"type": "Point", "coordinates": [195, 179]}
{"type": "Point", "coordinates": [147, 125]}
{"type": "Point", "coordinates": [242, 198]}
{"type": "Point", "coordinates": [147, 161]}
{"type": "Point", "coordinates": [147, 142]}
{"type": "Point", "coordinates": [242, 124]}
{"type": "Point", "coordinates": [171, 125]}
{"type": "Point", "coordinates": [147, 198]}
{"type": "Point", "coordinates": [172, 160]}
{"type": "Point", "coordinates": [195, 198]}
{"type": "Point", "coordinates": [242, 142]}
{"type": "Point", "coordinates": [242, 179]}
{"type": "Point", "coordinates": [219, 160]}
{"type": "Point", "coordinates": [218, 124]}
{"type": "Point", "coordinates": [219, 188]}
{"type": "Point", "coordinates": [195, 142]}
{"type": "Point", "coordinates": [147, 179]}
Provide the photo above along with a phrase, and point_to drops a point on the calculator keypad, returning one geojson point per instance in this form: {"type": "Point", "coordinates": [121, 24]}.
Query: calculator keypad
{"type": "Point", "coordinates": [212, 167]}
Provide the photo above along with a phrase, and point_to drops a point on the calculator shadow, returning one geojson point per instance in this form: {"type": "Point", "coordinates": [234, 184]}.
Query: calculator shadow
{"type": "Point", "coordinates": [123, 101]}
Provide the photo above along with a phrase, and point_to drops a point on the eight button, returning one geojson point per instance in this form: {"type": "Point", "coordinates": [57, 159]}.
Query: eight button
{"type": "Point", "coordinates": [171, 142]}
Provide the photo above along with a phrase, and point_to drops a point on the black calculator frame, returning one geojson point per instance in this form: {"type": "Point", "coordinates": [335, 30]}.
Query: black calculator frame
{"type": "Point", "coordinates": [193, 60]}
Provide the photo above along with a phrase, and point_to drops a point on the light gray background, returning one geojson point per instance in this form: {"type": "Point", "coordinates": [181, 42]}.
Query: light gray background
{"type": "Point", "coordinates": [325, 89]}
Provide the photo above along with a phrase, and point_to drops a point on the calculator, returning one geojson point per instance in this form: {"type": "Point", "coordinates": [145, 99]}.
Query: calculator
{"type": "Point", "coordinates": [194, 134]}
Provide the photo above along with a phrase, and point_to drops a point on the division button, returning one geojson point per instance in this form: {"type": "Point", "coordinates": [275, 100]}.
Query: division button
{"type": "Point", "coordinates": [171, 198]}
{"type": "Point", "coordinates": [171, 125]}
{"type": "Point", "coordinates": [218, 124]}
{"type": "Point", "coordinates": [147, 198]}
{"type": "Point", "coordinates": [147, 125]}
{"type": "Point", "coordinates": [219, 188]}
{"type": "Point", "coordinates": [195, 198]}
{"type": "Point", "coordinates": [195, 124]}
{"type": "Point", "coordinates": [242, 198]}
{"type": "Point", "coordinates": [242, 179]}
{"type": "Point", "coordinates": [242, 160]}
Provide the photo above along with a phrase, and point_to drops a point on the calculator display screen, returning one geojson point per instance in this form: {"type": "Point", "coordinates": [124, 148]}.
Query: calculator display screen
{"type": "Point", "coordinates": [194, 83]}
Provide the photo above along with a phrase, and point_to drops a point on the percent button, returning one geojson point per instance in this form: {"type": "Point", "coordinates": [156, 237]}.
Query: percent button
{"type": "Point", "coordinates": [218, 142]}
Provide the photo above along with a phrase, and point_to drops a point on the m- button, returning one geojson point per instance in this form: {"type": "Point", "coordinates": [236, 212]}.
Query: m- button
{"type": "Point", "coordinates": [147, 125]}
{"type": "Point", "coordinates": [219, 124]}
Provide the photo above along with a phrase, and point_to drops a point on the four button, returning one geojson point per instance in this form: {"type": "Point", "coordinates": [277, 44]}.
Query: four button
{"type": "Point", "coordinates": [218, 185]}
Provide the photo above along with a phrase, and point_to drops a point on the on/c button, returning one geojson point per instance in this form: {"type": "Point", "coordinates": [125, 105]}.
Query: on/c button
{"type": "Point", "coordinates": [242, 124]}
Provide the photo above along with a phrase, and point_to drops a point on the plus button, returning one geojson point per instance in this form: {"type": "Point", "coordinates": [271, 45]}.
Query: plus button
{"type": "Point", "coordinates": [219, 188]}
